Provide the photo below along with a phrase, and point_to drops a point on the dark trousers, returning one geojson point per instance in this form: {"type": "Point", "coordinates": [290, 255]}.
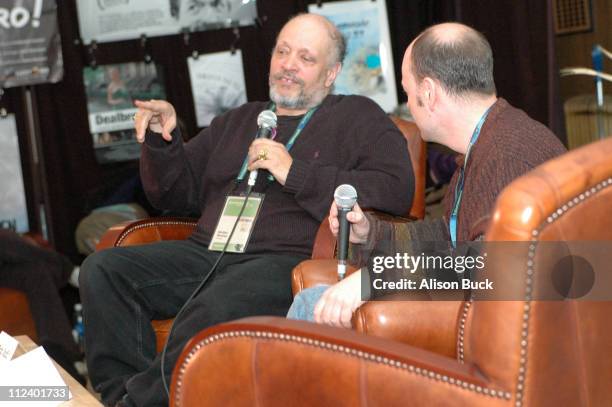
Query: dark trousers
{"type": "Point", "coordinates": [123, 289]}
{"type": "Point", "coordinates": [40, 273]}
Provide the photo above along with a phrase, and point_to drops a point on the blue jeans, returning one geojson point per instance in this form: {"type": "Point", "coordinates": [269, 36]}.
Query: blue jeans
{"type": "Point", "coordinates": [304, 303]}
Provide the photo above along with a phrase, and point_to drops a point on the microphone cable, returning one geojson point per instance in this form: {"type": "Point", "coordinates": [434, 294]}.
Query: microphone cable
{"type": "Point", "coordinates": [199, 287]}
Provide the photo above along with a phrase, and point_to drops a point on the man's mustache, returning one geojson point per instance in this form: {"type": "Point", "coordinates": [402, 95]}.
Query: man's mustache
{"type": "Point", "coordinates": [288, 75]}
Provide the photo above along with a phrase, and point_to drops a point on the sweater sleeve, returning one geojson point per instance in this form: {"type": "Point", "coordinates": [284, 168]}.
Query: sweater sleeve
{"type": "Point", "coordinates": [359, 254]}
{"type": "Point", "coordinates": [171, 171]}
{"type": "Point", "coordinates": [382, 174]}
{"type": "Point", "coordinates": [415, 239]}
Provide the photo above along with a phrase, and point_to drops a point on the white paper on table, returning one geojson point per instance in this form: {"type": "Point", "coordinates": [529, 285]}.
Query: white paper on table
{"type": "Point", "coordinates": [8, 345]}
{"type": "Point", "coordinates": [34, 368]}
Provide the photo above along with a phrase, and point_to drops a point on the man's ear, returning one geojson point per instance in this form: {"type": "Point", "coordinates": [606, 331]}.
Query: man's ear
{"type": "Point", "coordinates": [332, 73]}
{"type": "Point", "coordinates": [429, 92]}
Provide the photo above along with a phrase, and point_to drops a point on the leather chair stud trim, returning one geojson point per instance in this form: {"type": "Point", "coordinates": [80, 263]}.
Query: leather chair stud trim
{"type": "Point", "coordinates": [529, 280]}
{"type": "Point", "coordinates": [528, 288]}
{"type": "Point", "coordinates": [137, 227]}
{"type": "Point", "coordinates": [460, 336]}
{"type": "Point", "coordinates": [334, 348]}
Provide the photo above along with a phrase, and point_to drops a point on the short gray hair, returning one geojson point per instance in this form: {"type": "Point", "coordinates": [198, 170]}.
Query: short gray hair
{"type": "Point", "coordinates": [462, 65]}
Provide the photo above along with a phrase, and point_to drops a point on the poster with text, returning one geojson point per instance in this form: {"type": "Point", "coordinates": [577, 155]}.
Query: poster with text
{"type": "Point", "coordinates": [30, 46]}
{"type": "Point", "coordinates": [117, 20]}
{"type": "Point", "coordinates": [200, 15]}
{"type": "Point", "coordinates": [111, 91]}
{"type": "Point", "coordinates": [217, 84]}
{"type": "Point", "coordinates": [368, 66]}
{"type": "Point", "coordinates": [13, 211]}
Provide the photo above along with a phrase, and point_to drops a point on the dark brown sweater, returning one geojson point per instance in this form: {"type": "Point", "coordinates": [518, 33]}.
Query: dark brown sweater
{"type": "Point", "coordinates": [510, 144]}
{"type": "Point", "coordinates": [348, 140]}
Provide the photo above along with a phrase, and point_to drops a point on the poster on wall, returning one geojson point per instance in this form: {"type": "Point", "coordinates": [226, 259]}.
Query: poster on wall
{"type": "Point", "coordinates": [368, 66]}
{"type": "Point", "coordinates": [13, 212]}
{"type": "Point", "coordinates": [30, 46]}
{"type": "Point", "coordinates": [217, 84]}
{"type": "Point", "coordinates": [111, 91]}
{"type": "Point", "coordinates": [198, 15]}
{"type": "Point", "coordinates": [118, 20]}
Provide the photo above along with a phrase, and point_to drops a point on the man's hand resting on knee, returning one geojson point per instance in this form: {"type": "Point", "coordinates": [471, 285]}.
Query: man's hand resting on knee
{"type": "Point", "coordinates": [339, 301]}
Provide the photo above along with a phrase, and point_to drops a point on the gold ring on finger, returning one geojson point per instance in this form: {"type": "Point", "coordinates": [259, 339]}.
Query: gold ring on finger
{"type": "Point", "coordinates": [263, 155]}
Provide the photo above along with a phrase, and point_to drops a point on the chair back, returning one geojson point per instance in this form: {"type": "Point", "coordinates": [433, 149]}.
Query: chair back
{"type": "Point", "coordinates": [325, 243]}
{"type": "Point", "coordinates": [418, 156]}
{"type": "Point", "coordinates": [545, 346]}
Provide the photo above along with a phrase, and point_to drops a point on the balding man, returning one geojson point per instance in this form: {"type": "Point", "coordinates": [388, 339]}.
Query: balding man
{"type": "Point", "coordinates": [321, 141]}
{"type": "Point", "coordinates": [447, 73]}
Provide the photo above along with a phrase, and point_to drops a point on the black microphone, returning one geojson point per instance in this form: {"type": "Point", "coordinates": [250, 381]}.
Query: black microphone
{"type": "Point", "coordinates": [266, 122]}
{"type": "Point", "coordinates": [345, 197]}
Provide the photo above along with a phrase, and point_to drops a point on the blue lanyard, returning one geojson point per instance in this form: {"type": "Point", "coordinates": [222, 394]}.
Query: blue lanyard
{"type": "Point", "coordinates": [288, 146]}
{"type": "Point", "coordinates": [459, 186]}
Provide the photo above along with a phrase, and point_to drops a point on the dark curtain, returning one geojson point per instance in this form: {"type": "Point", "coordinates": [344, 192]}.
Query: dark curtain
{"type": "Point", "coordinates": [76, 183]}
{"type": "Point", "coordinates": [521, 35]}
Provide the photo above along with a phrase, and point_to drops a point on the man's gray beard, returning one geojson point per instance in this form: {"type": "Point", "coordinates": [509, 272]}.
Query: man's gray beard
{"type": "Point", "coordinates": [299, 102]}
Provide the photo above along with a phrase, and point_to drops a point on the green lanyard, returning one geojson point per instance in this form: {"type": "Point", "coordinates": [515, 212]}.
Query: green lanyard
{"type": "Point", "coordinates": [459, 186]}
{"type": "Point", "coordinates": [288, 146]}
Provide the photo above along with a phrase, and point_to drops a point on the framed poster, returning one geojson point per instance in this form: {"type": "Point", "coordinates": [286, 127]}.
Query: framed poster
{"type": "Point", "coordinates": [13, 209]}
{"type": "Point", "coordinates": [217, 84]}
{"type": "Point", "coordinates": [30, 45]}
{"type": "Point", "coordinates": [198, 15]}
{"type": "Point", "coordinates": [368, 66]}
{"type": "Point", "coordinates": [113, 20]}
{"type": "Point", "coordinates": [111, 91]}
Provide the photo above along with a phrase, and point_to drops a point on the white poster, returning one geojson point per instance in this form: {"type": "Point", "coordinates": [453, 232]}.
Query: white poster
{"type": "Point", "coordinates": [368, 66]}
{"type": "Point", "coordinates": [199, 15]}
{"type": "Point", "coordinates": [13, 211]}
{"type": "Point", "coordinates": [111, 91]}
{"type": "Point", "coordinates": [117, 20]}
{"type": "Point", "coordinates": [217, 84]}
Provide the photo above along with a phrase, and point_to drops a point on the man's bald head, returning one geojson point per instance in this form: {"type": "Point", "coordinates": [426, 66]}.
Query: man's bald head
{"type": "Point", "coordinates": [337, 40]}
{"type": "Point", "coordinates": [457, 56]}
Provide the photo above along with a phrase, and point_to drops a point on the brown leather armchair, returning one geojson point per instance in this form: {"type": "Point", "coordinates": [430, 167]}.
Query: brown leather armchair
{"type": "Point", "coordinates": [393, 320]}
{"type": "Point", "coordinates": [16, 317]}
{"type": "Point", "coordinates": [158, 229]}
{"type": "Point", "coordinates": [509, 353]}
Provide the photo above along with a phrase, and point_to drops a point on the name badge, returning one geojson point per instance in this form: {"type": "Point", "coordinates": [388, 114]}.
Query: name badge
{"type": "Point", "coordinates": [244, 228]}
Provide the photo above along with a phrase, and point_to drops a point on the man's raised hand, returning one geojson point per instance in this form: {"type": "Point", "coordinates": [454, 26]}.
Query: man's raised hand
{"type": "Point", "coordinates": [157, 115]}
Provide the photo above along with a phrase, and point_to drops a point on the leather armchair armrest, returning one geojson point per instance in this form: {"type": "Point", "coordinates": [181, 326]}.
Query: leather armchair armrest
{"type": "Point", "coordinates": [277, 362]}
{"type": "Point", "coordinates": [147, 231]}
{"type": "Point", "coordinates": [312, 272]}
{"type": "Point", "coordinates": [431, 325]}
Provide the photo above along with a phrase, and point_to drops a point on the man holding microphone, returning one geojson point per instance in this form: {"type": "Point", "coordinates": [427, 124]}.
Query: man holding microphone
{"type": "Point", "coordinates": [447, 73]}
{"type": "Point", "coordinates": [320, 141]}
